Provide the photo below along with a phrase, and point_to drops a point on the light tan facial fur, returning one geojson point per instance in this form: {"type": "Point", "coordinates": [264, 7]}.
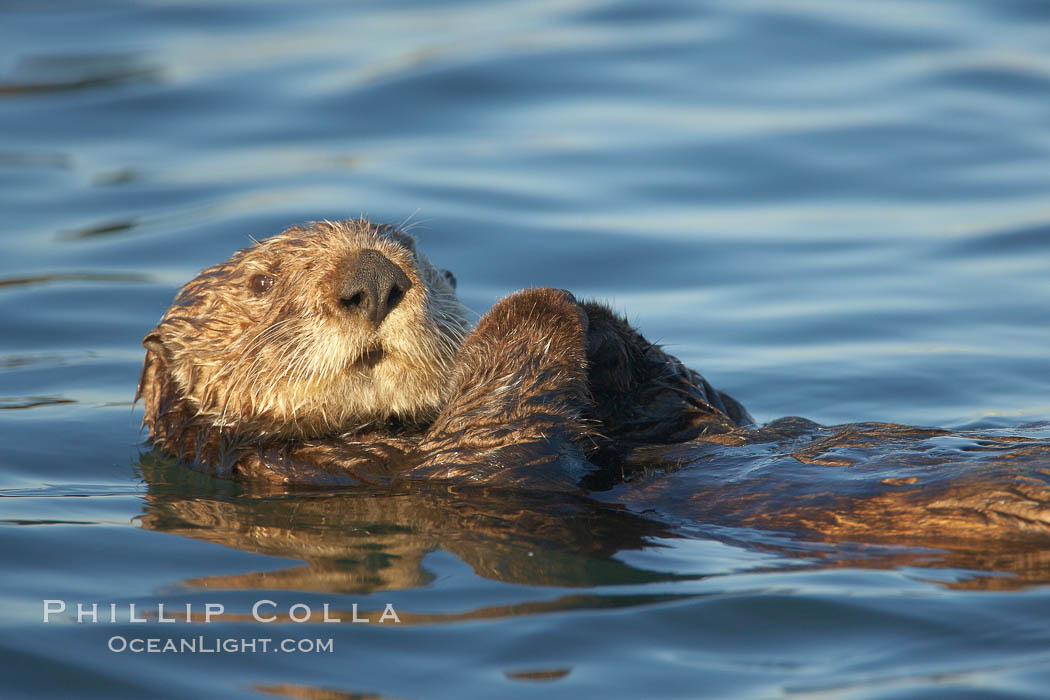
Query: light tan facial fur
{"type": "Point", "coordinates": [263, 341]}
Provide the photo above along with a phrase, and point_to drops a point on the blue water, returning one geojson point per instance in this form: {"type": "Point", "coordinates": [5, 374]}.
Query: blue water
{"type": "Point", "coordinates": [836, 210]}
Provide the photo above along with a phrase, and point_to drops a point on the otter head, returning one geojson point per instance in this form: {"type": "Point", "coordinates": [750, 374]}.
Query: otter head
{"type": "Point", "coordinates": [312, 332]}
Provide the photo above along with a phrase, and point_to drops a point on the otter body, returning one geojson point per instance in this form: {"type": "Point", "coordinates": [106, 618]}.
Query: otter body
{"type": "Point", "coordinates": [337, 354]}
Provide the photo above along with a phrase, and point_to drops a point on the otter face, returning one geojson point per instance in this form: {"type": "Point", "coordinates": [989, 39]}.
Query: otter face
{"type": "Point", "coordinates": [313, 332]}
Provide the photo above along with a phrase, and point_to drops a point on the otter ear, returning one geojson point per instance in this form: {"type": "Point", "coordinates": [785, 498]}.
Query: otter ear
{"type": "Point", "coordinates": [154, 368]}
{"type": "Point", "coordinates": [153, 343]}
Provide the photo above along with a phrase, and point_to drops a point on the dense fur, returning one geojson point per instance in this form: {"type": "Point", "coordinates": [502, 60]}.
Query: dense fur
{"type": "Point", "coordinates": [291, 362]}
{"type": "Point", "coordinates": [546, 394]}
{"type": "Point", "coordinates": [286, 386]}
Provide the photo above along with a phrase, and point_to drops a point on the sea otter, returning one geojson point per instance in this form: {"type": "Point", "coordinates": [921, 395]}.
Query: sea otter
{"type": "Point", "coordinates": [338, 354]}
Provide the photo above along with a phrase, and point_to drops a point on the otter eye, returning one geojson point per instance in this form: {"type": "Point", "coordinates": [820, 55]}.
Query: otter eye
{"type": "Point", "coordinates": [450, 277]}
{"type": "Point", "coordinates": [260, 284]}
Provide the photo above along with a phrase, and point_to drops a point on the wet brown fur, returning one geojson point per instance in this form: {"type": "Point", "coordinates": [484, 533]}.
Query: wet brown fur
{"type": "Point", "coordinates": [546, 394]}
{"type": "Point", "coordinates": [280, 388]}
{"type": "Point", "coordinates": [291, 362]}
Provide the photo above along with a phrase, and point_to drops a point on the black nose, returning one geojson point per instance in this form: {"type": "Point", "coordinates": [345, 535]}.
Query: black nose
{"type": "Point", "coordinates": [374, 286]}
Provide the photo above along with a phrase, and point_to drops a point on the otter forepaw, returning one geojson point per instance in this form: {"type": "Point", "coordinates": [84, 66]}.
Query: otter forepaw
{"type": "Point", "coordinates": [518, 393]}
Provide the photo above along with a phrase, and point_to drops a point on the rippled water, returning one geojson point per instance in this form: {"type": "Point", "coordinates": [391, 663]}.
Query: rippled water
{"type": "Point", "coordinates": [836, 210]}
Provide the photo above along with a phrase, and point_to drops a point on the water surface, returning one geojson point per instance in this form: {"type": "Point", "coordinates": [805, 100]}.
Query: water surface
{"type": "Point", "coordinates": [836, 210]}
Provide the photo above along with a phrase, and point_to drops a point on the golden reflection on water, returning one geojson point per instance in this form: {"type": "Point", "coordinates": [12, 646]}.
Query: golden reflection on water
{"type": "Point", "coordinates": [870, 496]}
{"type": "Point", "coordinates": [366, 541]}
{"type": "Point", "coordinates": [308, 692]}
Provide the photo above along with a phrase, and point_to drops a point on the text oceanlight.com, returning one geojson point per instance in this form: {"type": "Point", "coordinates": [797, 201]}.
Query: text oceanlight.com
{"type": "Point", "coordinates": [215, 645]}
{"type": "Point", "coordinates": [262, 611]}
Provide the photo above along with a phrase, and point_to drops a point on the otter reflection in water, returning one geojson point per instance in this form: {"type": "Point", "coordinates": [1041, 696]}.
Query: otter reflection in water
{"type": "Point", "coordinates": [359, 541]}
{"type": "Point", "coordinates": [338, 355]}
